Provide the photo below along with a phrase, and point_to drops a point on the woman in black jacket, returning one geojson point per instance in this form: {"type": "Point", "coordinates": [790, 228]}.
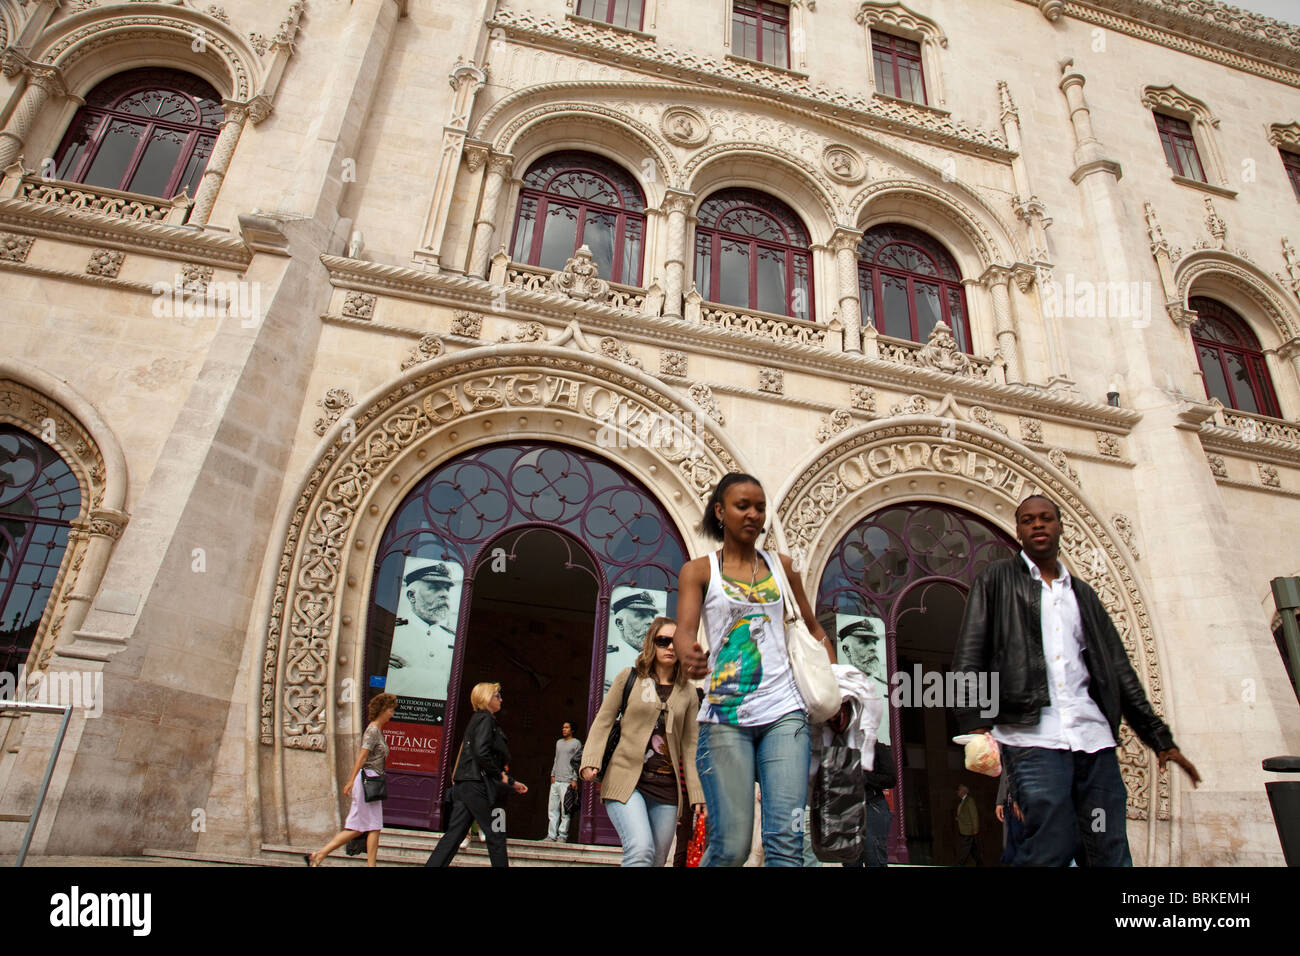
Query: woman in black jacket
{"type": "Point", "coordinates": [479, 781]}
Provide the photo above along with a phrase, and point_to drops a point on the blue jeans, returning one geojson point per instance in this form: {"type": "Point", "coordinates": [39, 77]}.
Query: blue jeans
{"type": "Point", "coordinates": [729, 760]}
{"type": "Point", "coordinates": [1074, 807]}
{"type": "Point", "coordinates": [875, 843]}
{"type": "Point", "coordinates": [645, 828]}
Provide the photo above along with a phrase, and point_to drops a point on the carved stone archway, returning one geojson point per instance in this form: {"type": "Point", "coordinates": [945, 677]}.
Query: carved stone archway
{"type": "Point", "coordinates": [52, 411]}
{"type": "Point", "coordinates": [948, 457]}
{"type": "Point", "coordinates": [368, 463]}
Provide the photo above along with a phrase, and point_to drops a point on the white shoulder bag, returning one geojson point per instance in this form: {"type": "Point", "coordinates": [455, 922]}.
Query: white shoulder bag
{"type": "Point", "coordinates": [812, 668]}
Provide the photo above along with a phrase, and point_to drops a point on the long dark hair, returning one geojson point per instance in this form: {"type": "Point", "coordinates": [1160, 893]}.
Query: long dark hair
{"type": "Point", "coordinates": [710, 526]}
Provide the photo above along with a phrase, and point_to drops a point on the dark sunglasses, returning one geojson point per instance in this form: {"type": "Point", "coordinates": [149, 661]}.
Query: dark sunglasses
{"type": "Point", "coordinates": [663, 642]}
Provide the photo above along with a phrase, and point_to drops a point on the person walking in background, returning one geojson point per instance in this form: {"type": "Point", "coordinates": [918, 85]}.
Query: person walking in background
{"type": "Point", "coordinates": [881, 777]}
{"type": "Point", "coordinates": [563, 779]}
{"type": "Point", "coordinates": [364, 817]}
{"type": "Point", "coordinates": [480, 782]}
{"type": "Point", "coordinates": [641, 789]}
{"type": "Point", "coordinates": [1064, 682]}
{"type": "Point", "coordinates": [753, 722]}
{"type": "Point", "coordinates": [968, 827]}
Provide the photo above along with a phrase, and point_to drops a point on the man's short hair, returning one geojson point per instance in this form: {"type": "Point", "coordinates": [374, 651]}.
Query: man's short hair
{"type": "Point", "coordinates": [1055, 506]}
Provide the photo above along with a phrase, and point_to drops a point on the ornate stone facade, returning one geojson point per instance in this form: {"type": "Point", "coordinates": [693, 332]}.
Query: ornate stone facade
{"type": "Point", "coordinates": [322, 388]}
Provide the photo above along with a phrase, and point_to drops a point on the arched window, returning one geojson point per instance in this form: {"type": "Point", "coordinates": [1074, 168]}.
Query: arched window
{"type": "Point", "coordinates": [147, 131]}
{"type": "Point", "coordinates": [39, 497]}
{"type": "Point", "coordinates": [908, 282]}
{"type": "Point", "coordinates": [751, 251]}
{"type": "Point", "coordinates": [1231, 360]}
{"type": "Point", "coordinates": [572, 199]}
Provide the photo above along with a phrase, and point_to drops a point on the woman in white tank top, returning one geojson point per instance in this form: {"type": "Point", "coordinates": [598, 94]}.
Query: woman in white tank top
{"type": "Point", "coordinates": [753, 723]}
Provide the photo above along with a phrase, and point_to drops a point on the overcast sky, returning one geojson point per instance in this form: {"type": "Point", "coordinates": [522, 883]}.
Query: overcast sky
{"type": "Point", "coordinates": [1288, 10]}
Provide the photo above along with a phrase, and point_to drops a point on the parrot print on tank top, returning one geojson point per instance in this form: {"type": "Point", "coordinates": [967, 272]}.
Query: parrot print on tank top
{"type": "Point", "coordinates": [738, 669]}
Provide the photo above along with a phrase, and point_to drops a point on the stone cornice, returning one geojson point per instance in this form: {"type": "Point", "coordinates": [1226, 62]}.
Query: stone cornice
{"type": "Point", "coordinates": [479, 295]}
{"type": "Point", "coordinates": [148, 238]}
{"type": "Point", "coordinates": [1230, 441]}
{"type": "Point", "coordinates": [595, 42]}
{"type": "Point", "coordinates": [67, 275]}
{"type": "Point", "coordinates": [1213, 31]}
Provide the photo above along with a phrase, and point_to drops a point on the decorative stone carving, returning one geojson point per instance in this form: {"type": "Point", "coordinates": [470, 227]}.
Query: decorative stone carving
{"type": "Point", "coordinates": [1108, 444]}
{"type": "Point", "coordinates": [611, 347]}
{"type": "Point", "coordinates": [217, 13]}
{"type": "Point", "coordinates": [1173, 99]}
{"type": "Point", "coordinates": [1057, 457]}
{"type": "Point", "coordinates": [428, 348]}
{"type": "Point", "coordinates": [1007, 106]}
{"type": "Point", "coordinates": [14, 248]}
{"type": "Point", "coordinates": [771, 380]}
{"type": "Point", "coordinates": [525, 332]}
{"type": "Point", "coordinates": [672, 362]}
{"type": "Point", "coordinates": [1268, 476]}
{"type": "Point", "coordinates": [158, 374]}
{"type": "Point", "coordinates": [941, 352]}
{"type": "Point", "coordinates": [898, 17]}
{"type": "Point", "coordinates": [1214, 223]}
{"type": "Point", "coordinates": [844, 165]}
{"type": "Point", "coordinates": [105, 262]}
{"type": "Point", "coordinates": [1052, 9]}
{"type": "Point", "coordinates": [259, 43]}
{"type": "Point", "coordinates": [1155, 235]}
{"type": "Point", "coordinates": [335, 403]}
{"type": "Point", "coordinates": [195, 278]}
{"type": "Point", "coordinates": [862, 398]}
{"type": "Point", "coordinates": [579, 279]}
{"type": "Point", "coordinates": [912, 405]}
{"type": "Point", "coordinates": [1292, 278]}
{"type": "Point", "coordinates": [468, 324]}
{"type": "Point", "coordinates": [702, 396]}
{"type": "Point", "coordinates": [981, 415]}
{"type": "Point", "coordinates": [359, 305]}
{"type": "Point", "coordinates": [1124, 528]}
{"type": "Point", "coordinates": [683, 126]}
{"type": "Point", "coordinates": [1218, 467]}
{"type": "Point", "coordinates": [834, 423]}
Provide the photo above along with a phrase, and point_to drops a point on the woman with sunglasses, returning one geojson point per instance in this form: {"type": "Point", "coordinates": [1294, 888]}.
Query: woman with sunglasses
{"type": "Point", "coordinates": [641, 789]}
{"type": "Point", "coordinates": [479, 781]}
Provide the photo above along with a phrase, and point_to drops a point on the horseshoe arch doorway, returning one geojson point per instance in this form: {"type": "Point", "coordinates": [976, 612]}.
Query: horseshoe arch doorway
{"type": "Point", "coordinates": [893, 592]}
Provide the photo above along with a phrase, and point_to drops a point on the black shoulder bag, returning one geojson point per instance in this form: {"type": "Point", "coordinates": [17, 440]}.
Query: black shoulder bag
{"type": "Point", "coordinates": [611, 742]}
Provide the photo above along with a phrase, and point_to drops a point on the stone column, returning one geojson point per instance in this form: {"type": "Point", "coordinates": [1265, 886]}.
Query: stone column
{"type": "Point", "coordinates": [844, 244]}
{"type": "Point", "coordinates": [676, 204]}
{"type": "Point", "coordinates": [997, 279]}
{"type": "Point", "coordinates": [1290, 351]}
{"type": "Point", "coordinates": [100, 533]}
{"type": "Point", "coordinates": [467, 80]}
{"type": "Point", "coordinates": [498, 171]}
{"type": "Point", "coordinates": [43, 82]}
{"type": "Point", "coordinates": [215, 173]}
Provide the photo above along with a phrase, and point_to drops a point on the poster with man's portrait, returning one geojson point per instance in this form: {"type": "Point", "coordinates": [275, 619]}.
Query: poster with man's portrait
{"type": "Point", "coordinates": [631, 612]}
{"type": "Point", "coordinates": [424, 635]}
{"type": "Point", "coordinates": [860, 641]}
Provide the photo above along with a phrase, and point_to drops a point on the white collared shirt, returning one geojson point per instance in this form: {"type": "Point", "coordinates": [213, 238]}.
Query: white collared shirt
{"type": "Point", "coordinates": [1073, 721]}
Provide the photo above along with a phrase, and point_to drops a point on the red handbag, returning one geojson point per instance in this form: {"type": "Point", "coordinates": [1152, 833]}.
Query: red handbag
{"type": "Point", "coordinates": [699, 839]}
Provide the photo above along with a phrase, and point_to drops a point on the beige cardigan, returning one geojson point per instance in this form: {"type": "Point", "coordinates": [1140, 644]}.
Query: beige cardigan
{"type": "Point", "coordinates": [638, 723]}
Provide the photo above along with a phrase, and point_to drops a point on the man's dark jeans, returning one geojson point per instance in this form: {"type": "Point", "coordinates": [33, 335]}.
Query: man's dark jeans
{"type": "Point", "coordinates": [875, 840]}
{"type": "Point", "coordinates": [1073, 802]}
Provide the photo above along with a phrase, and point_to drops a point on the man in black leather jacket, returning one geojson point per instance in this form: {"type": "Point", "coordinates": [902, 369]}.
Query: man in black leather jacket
{"type": "Point", "coordinates": [1063, 682]}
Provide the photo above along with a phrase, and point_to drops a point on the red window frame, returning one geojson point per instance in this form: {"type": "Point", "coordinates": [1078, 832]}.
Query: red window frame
{"type": "Point", "coordinates": [875, 272]}
{"type": "Point", "coordinates": [1245, 346]}
{"type": "Point", "coordinates": [887, 52]}
{"type": "Point", "coordinates": [1291, 163]}
{"type": "Point", "coordinates": [793, 247]}
{"type": "Point", "coordinates": [102, 113]}
{"type": "Point", "coordinates": [607, 11]}
{"type": "Point", "coordinates": [629, 218]}
{"type": "Point", "coordinates": [1179, 143]}
{"type": "Point", "coordinates": [750, 21]}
